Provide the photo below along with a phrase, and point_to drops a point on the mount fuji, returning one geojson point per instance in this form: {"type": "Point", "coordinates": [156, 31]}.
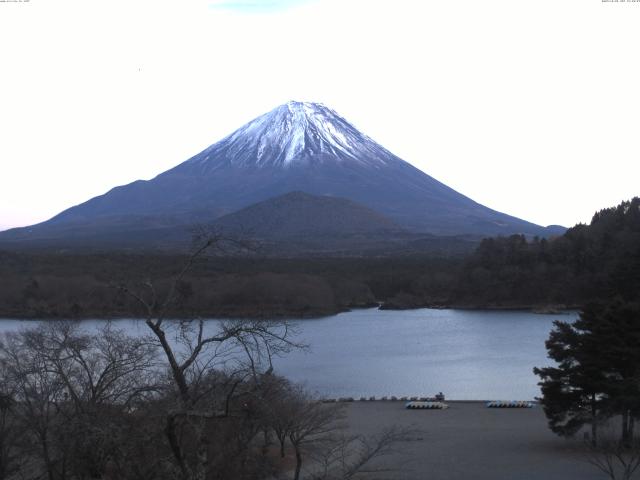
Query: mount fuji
{"type": "Point", "coordinates": [297, 147]}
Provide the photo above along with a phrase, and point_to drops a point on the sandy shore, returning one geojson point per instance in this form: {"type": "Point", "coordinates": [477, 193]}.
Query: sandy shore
{"type": "Point", "coordinates": [470, 441]}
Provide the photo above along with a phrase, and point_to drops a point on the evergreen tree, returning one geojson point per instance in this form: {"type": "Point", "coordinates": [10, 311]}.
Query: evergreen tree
{"type": "Point", "coordinates": [572, 392]}
{"type": "Point", "coordinates": [616, 326]}
{"type": "Point", "coordinates": [598, 370]}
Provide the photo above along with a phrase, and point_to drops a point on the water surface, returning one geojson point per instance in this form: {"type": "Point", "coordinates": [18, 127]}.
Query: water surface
{"type": "Point", "coordinates": [466, 354]}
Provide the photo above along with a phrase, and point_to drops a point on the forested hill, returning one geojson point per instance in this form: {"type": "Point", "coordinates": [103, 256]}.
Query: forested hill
{"type": "Point", "coordinates": [588, 262]}
{"type": "Point", "coordinates": [598, 260]}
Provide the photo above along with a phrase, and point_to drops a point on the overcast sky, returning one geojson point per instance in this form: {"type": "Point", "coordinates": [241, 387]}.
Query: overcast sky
{"type": "Point", "coordinates": [529, 107]}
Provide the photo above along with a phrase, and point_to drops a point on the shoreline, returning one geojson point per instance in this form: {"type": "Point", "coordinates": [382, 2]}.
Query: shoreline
{"type": "Point", "coordinates": [393, 400]}
{"type": "Point", "coordinates": [543, 309]}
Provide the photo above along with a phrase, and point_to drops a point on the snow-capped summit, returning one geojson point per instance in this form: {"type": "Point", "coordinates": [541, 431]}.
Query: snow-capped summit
{"type": "Point", "coordinates": [293, 133]}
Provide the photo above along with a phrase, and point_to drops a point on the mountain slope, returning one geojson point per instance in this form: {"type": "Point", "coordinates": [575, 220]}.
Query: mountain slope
{"type": "Point", "coordinates": [296, 147]}
{"type": "Point", "coordinates": [298, 214]}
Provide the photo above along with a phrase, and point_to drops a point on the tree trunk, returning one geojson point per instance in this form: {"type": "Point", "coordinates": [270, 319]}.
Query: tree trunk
{"type": "Point", "coordinates": [281, 447]}
{"type": "Point", "coordinates": [594, 422]}
{"type": "Point", "coordinates": [296, 476]}
{"type": "Point", "coordinates": [265, 441]}
{"type": "Point", "coordinates": [170, 432]}
{"type": "Point", "coordinates": [202, 452]}
{"type": "Point", "coordinates": [47, 459]}
{"type": "Point", "coordinates": [625, 428]}
{"type": "Point", "coordinates": [176, 370]}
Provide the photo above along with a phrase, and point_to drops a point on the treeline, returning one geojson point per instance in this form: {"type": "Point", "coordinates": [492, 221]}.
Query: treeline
{"type": "Point", "coordinates": [586, 263]}
{"type": "Point", "coordinates": [81, 286]}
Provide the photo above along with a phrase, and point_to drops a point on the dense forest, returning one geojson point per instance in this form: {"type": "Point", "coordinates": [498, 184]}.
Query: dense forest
{"type": "Point", "coordinates": [49, 285]}
{"type": "Point", "coordinates": [587, 262]}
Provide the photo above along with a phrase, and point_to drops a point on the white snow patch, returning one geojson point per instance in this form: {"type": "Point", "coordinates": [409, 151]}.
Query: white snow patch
{"type": "Point", "coordinates": [295, 130]}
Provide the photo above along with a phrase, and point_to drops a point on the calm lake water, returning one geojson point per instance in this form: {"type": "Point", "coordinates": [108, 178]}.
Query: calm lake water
{"type": "Point", "coordinates": [468, 355]}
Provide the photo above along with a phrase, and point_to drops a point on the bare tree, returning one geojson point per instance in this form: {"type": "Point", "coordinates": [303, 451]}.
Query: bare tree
{"type": "Point", "coordinates": [39, 394]}
{"type": "Point", "coordinates": [191, 350]}
{"type": "Point", "coordinates": [617, 459]}
{"type": "Point", "coordinates": [316, 431]}
{"type": "Point", "coordinates": [97, 368]}
{"type": "Point", "coordinates": [348, 457]}
{"type": "Point", "coordinates": [72, 390]}
{"type": "Point", "coordinates": [312, 423]}
{"type": "Point", "coordinates": [11, 434]}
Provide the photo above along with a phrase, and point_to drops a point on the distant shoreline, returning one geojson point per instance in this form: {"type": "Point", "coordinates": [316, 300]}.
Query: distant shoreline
{"type": "Point", "coordinates": [546, 309]}
{"type": "Point", "coordinates": [408, 399]}
{"type": "Point", "coordinates": [306, 315]}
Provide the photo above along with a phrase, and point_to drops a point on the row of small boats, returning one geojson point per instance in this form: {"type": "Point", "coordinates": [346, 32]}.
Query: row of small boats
{"type": "Point", "coordinates": [418, 405]}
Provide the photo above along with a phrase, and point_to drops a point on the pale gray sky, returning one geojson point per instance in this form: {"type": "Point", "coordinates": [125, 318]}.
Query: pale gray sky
{"type": "Point", "coordinates": [529, 107]}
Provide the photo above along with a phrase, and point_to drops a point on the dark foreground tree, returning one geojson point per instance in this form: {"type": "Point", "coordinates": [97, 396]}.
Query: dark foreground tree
{"type": "Point", "coordinates": [598, 370]}
{"type": "Point", "coordinates": [572, 392]}
{"type": "Point", "coordinates": [84, 404]}
{"type": "Point", "coordinates": [11, 435]}
{"type": "Point", "coordinates": [71, 391]}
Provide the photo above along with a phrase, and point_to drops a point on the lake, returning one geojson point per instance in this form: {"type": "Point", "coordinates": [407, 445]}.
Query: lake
{"type": "Point", "coordinates": [466, 354]}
